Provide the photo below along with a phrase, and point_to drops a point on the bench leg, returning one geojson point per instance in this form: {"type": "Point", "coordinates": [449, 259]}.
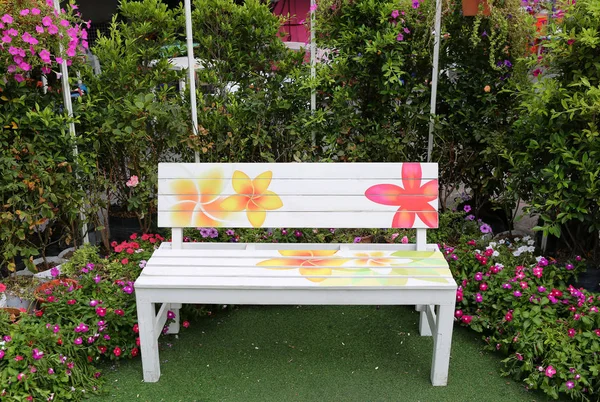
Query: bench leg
{"type": "Point", "coordinates": [148, 341]}
{"type": "Point", "coordinates": [424, 328]}
{"type": "Point", "coordinates": [174, 326]}
{"type": "Point", "coordinates": [442, 343]}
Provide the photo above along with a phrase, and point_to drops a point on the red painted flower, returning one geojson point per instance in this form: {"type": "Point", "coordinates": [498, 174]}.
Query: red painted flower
{"type": "Point", "coordinates": [412, 200]}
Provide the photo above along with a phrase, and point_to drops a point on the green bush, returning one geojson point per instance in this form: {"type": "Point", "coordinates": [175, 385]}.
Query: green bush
{"type": "Point", "coordinates": [554, 151]}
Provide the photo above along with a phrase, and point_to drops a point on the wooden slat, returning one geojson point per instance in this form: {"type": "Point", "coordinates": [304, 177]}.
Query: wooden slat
{"type": "Point", "coordinates": [352, 171]}
{"type": "Point", "coordinates": [173, 282]}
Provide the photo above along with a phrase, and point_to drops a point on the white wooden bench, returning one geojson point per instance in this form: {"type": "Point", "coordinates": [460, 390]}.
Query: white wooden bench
{"type": "Point", "coordinates": [297, 195]}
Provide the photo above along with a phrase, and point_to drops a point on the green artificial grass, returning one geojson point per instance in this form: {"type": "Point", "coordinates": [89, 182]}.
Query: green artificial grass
{"type": "Point", "coordinates": [313, 353]}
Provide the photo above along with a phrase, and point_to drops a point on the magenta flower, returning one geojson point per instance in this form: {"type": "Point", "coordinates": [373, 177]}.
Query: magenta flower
{"type": "Point", "coordinates": [50, 371]}
{"type": "Point", "coordinates": [569, 267]}
{"type": "Point", "coordinates": [357, 239]}
{"type": "Point", "coordinates": [46, 21]}
{"type": "Point", "coordinates": [93, 303]}
{"type": "Point", "coordinates": [400, 37]}
{"type": "Point", "coordinates": [519, 356]}
{"type": "Point", "coordinates": [170, 315]}
{"type": "Point", "coordinates": [101, 311]}
{"type": "Point", "coordinates": [570, 384]}
{"type": "Point", "coordinates": [24, 12]}
{"type": "Point", "coordinates": [395, 14]}
{"type": "Point", "coordinates": [467, 208]}
{"type": "Point", "coordinates": [20, 376]}
{"type": "Point", "coordinates": [541, 289]}
{"type": "Point", "coordinates": [53, 29]}
{"type": "Point", "coordinates": [35, 11]}
{"type": "Point", "coordinates": [571, 332]}
{"type": "Point", "coordinates": [54, 272]}
{"type": "Point", "coordinates": [2, 353]}
{"type": "Point", "coordinates": [64, 23]}
{"type": "Point", "coordinates": [478, 298]}
{"type": "Point", "coordinates": [415, 4]}
{"type": "Point", "coordinates": [313, 8]}
{"type": "Point", "coordinates": [55, 329]}
{"type": "Point", "coordinates": [478, 276]}
{"type": "Point", "coordinates": [550, 371]}
{"type": "Point", "coordinates": [13, 32]}
{"type": "Point", "coordinates": [128, 289]}
{"type": "Point", "coordinates": [7, 19]}
{"type": "Point", "coordinates": [78, 341]}
{"type": "Point", "coordinates": [37, 355]}
{"type": "Point", "coordinates": [517, 293]}
{"type": "Point", "coordinates": [458, 313]}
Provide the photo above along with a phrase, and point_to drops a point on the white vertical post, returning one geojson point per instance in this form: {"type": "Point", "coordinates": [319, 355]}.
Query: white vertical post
{"type": "Point", "coordinates": [434, 73]}
{"type": "Point", "coordinates": [66, 90]}
{"type": "Point", "coordinates": [191, 70]}
{"type": "Point", "coordinates": [421, 239]}
{"type": "Point", "coordinates": [313, 62]}
{"type": "Point", "coordinates": [442, 344]}
{"type": "Point", "coordinates": [176, 238]}
{"type": "Point", "coordinates": [148, 338]}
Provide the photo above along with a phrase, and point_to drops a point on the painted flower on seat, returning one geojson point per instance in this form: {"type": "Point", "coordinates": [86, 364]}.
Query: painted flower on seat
{"type": "Point", "coordinates": [198, 201]}
{"type": "Point", "coordinates": [308, 262]}
{"type": "Point", "coordinates": [253, 197]}
{"type": "Point", "coordinates": [412, 199]}
{"type": "Point", "coordinates": [376, 261]}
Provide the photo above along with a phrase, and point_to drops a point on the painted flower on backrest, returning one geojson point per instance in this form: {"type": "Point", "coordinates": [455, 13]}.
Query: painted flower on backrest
{"type": "Point", "coordinates": [308, 262]}
{"type": "Point", "coordinates": [412, 199]}
{"type": "Point", "coordinates": [253, 197]}
{"type": "Point", "coordinates": [198, 201]}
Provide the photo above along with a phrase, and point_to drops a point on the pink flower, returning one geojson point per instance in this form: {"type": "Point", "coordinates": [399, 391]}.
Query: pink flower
{"type": "Point", "coordinates": [404, 240]}
{"type": "Point", "coordinates": [132, 182]}
{"type": "Point", "coordinates": [400, 37]}
{"type": "Point", "coordinates": [508, 316]}
{"type": "Point", "coordinates": [35, 11]}
{"type": "Point", "coordinates": [25, 11]}
{"type": "Point", "coordinates": [64, 23]}
{"type": "Point", "coordinates": [101, 311]}
{"type": "Point", "coordinates": [313, 8]}
{"type": "Point", "coordinates": [7, 19]}
{"type": "Point", "coordinates": [466, 319]}
{"type": "Point", "coordinates": [13, 32]}
{"type": "Point", "coordinates": [519, 356]}
{"type": "Point", "coordinates": [517, 293]}
{"type": "Point", "coordinates": [478, 298]}
{"type": "Point", "coordinates": [571, 332]}
{"type": "Point", "coordinates": [550, 371]}
{"type": "Point", "coordinates": [395, 14]}
{"type": "Point", "coordinates": [6, 39]}
{"type": "Point", "coordinates": [78, 341]}
{"type": "Point", "coordinates": [20, 376]}
{"type": "Point", "coordinates": [53, 29]}
{"type": "Point", "coordinates": [54, 272]}
{"type": "Point", "coordinates": [415, 4]}
{"type": "Point", "coordinates": [19, 78]}
{"type": "Point", "coordinates": [37, 355]}
{"type": "Point", "coordinates": [186, 324]}
{"type": "Point", "coordinates": [483, 287]}
{"type": "Point", "coordinates": [2, 354]}
{"type": "Point", "coordinates": [46, 21]}
{"type": "Point", "coordinates": [478, 276]}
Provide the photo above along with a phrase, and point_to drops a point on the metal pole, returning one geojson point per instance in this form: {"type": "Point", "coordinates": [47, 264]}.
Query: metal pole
{"type": "Point", "coordinates": [434, 74]}
{"type": "Point", "coordinates": [66, 90]}
{"type": "Point", "coordinates": [191, 70]}
{"type": "Point", "coordinates": [313, 62]}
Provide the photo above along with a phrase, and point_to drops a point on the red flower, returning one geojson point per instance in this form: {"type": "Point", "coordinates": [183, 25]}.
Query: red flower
{"type": "Point", "coordinates": [124, 261]}
{"type": "Point", "coordinates": [101, 311]}
{"type": "Point", "coordinates": [119, 312]}
{"type": "Point", "coordinates": [117, 351]}
{"type": "Point", "coordinates": [145, 236]}
{"type": "Point", "coordinates": [134, 352]}
{"type": "Point", "coordinates": [186, 324]}
{"type": "Point", "coordinates": [466, 319]}
{"type": "Point", "coordinates": [412, 200]}
{"type": "Point", "coordinates": [137, 341]}
{"type": "Point", "coordinates": [102, 349]}
{"type": "Point", "coordinates": [113, 244]}
{"type": "Point", "coordinates": [39, 313]}
{"type": "Point", "coordinates": [136, 328]}
{"type": "Point", "coordinates": [133, 236]}
{"type": "Point", "coordinates": [118, 249]}
{"type": "Point", "coordinates": [90, 359]}
{"type": "Point", "coordinates": [60, 341]}
{"type": "Point", "coordinates": [129, 251]}
{"type": "Point", "coordinates": [71, 301]}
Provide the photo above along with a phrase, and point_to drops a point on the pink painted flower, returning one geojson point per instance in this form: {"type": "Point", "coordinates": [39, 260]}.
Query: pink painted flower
{"type": "Point", "coordinates": [413, 196]}
{"type": "Point", "coordinates": [550, 371]}
{"type": "Point", "coordinates": [132, 182]}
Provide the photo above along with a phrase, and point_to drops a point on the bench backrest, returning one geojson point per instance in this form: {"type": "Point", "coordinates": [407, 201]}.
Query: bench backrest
{"type": "Point", "coordinates": [302, 195]}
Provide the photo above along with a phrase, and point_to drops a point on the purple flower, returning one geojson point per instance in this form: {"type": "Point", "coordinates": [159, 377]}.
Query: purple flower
{"type": "Point", "coordinates": [213, 233]}
{"type": "Point", "coordinates": [467, 208]}
{"type": "Point", "coordinates": [50, 371]}
{"type": "Point", "coordinates": [97, 278]}
{"type": "Point", "coordinates": [170, 315]}
{"type": "Point", "coordinates": [93, 303]}
{"type": "Point", "coordinates": [569, 267]}
{"type": "Point", "coordinates": [485, 228]}
{"type": "Point", "coordinates": [400, 37]}
{"type": "Point", "coordinates": [507, 286]}
{"type": "Point", "coordinates": [128, 289]}
{"type": "Point", "coordinates": [395, 14]}
{"type": "Point", "coordinates": [54, 272]}
{"type": "Point", "coordinates": [484, 34]}
{"type": "Point", "coordinates": [541, 289]}
{"type": "Point", "coordinates": [478, 298]}
{"type": "Point", "coordinates": [415, 4]}
{"type": "Point", "coordinates": [2, 354]}
{"type": "Point", "coordinates": [570, 384]}
{"type": "Point", "coordinates": [230, 232]}
{"type": "Point", "coordinates": [517, 293]}
{"type": "Point", "coordinates": [470, 217]}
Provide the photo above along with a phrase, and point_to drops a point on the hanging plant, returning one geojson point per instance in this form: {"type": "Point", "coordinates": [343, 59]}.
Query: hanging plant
{"type": "Point", "coordinates": [33, 35]}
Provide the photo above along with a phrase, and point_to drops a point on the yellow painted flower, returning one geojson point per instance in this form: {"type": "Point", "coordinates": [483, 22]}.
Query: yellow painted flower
{"type": "Point", "coordinates": [377, 262]}
{"type": "Point", "coordinates": [252, 196]}
{"type": "Point", "coordinates": [308, 262]}
{"type": "Point", "coordinates": [198, 203]}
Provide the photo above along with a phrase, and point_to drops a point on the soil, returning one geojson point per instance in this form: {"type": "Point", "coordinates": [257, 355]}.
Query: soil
{"type": "Point", "coordinates": [41, 267]}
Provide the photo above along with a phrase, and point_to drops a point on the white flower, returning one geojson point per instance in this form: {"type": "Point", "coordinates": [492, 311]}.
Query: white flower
{"type": "Point", "coordinates": [525, 238]}
{"type": "Point", "coordinates": [500, 265]}
{"type": "Point", "coordinates": [501, 241]}
{"type": "Point", "coordinates": [492, 244]}
{"type": "Point", "coordinates": [478, 251]}
{"type": "Point", "coordinates": [538, 258]}
{"type": "Point", "coordinates": [495, 254]}
{"type": "Point", "coordinates": [517, 253]}
{"type": "Point", "coordinates": [531, 249]}
{"type": "Point", "coordinates": [531, 242]}
{"type": "Point", "coordinates": [517, 239]}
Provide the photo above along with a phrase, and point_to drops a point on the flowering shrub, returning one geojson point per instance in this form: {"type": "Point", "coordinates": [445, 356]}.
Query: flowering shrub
{"type": "Point", "coordinates": [526, 309]}
{"type": "Point", "coordinates": [36, 364]}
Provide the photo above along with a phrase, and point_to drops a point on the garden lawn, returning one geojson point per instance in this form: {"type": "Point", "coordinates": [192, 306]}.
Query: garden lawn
{"type": "Point", "coordinates": [313, 353]}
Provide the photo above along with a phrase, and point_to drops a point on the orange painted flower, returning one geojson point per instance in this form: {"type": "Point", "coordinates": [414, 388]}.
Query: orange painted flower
{"type": "Point", "coordinates": [253, 197]}
{"type": "Point", "coordinates": [412, 199]}
{"type": "Point", "coordinates": [373, 259]}
{"type": "Point", "coordinates": [308, 262]}
{"type": "Point", "coordinates": [198, 202]}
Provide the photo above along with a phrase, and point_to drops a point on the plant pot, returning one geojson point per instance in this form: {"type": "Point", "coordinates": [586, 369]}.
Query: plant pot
{"type": "Point", "coordinates": [43, 290]}
{"type": "Point", "coordinates": [470, 8]}
{"type": "Point", "coordinates": [51, 261]}
{"type": "Point", "coordinates": [13, 313]}
{"type": "Point", "coordinates": [17, 302]}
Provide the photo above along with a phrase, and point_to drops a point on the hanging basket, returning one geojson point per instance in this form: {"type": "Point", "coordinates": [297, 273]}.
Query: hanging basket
{"type": "Point", "coordinates": [470, 8]}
